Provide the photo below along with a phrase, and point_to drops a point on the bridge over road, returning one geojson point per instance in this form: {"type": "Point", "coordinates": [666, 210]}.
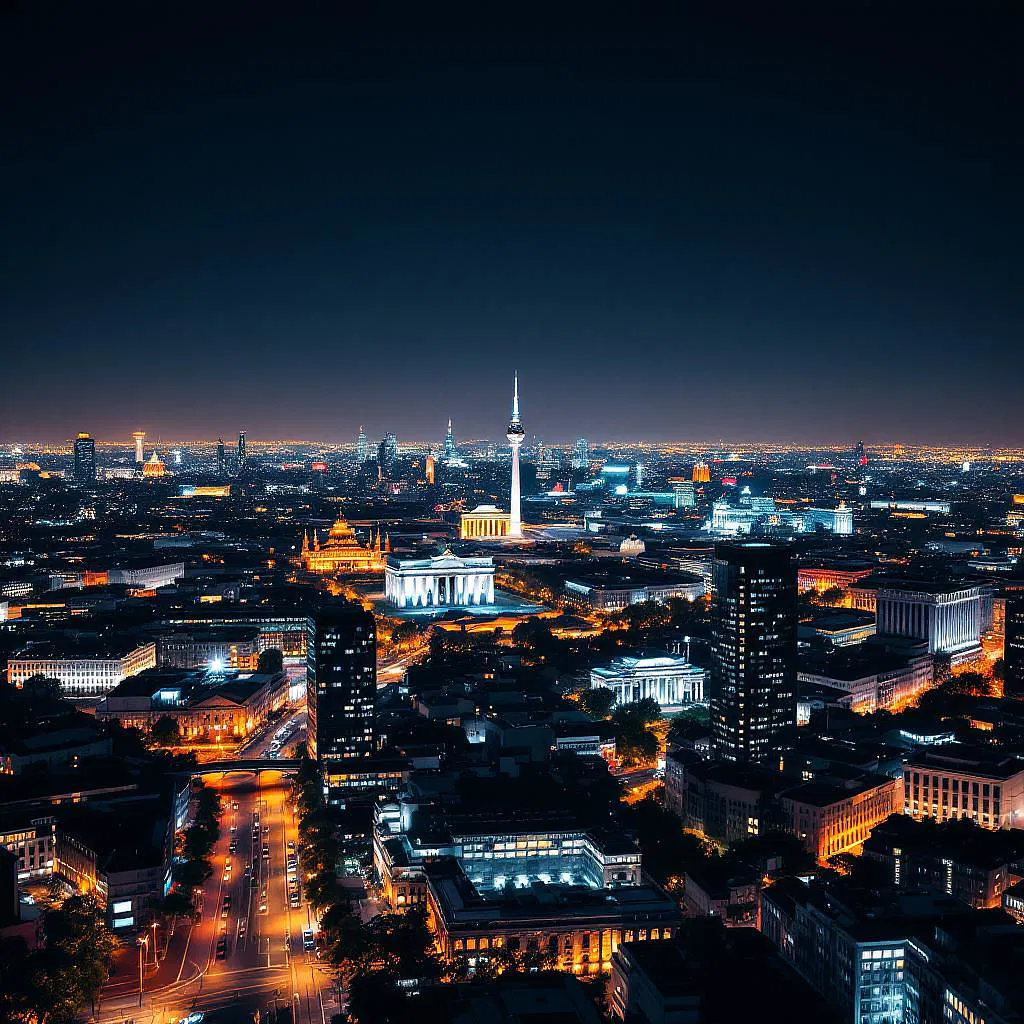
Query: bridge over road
{"type": "Point", "coordinates": [251, 764]}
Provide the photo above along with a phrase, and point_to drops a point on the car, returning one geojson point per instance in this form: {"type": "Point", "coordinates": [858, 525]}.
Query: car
{"type": "Point", "coordinates": [234, 828]}
{"type": "Point", "coordinates": [232, 847]}
{"type": "Point", "coordinates": [266, 850]}
{"type": "Point", "coordinates": [227, 876]}
{"type": "Point", "coordinates": [222, 949]}
{"type": "Point", "coordinates": [224, 912]}
{"type": "Point", "coordinates": [234, 805]}
{"type": "Point", "coordinates": [291, 844]}
{"type": "Point", "coordinates": [263, 908]}
{"type": "Point", "coordinates": [308, 941]}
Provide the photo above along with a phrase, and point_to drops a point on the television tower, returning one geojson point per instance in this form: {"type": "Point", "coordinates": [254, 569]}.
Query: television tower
{"type": "Point", "coordinates": [139, 437]}
{"type": "Point", "coordinates": [515, 436]}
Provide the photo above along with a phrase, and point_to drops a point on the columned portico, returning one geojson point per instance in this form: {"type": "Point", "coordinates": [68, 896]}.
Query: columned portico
{"type": "Point", "coordinates": [445, 581]}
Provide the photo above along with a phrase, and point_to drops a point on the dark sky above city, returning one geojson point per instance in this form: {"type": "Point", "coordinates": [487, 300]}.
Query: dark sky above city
{"type": "Point", "coordinates": [742, 222]}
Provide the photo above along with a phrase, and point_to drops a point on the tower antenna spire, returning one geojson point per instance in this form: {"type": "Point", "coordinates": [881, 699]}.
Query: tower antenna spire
{"type": "Point", "coordinates": [515, 398]}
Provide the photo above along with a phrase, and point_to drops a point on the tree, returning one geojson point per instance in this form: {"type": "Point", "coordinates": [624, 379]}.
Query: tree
{"type": "Point", "coordinates": [165, 731]}
{"type": "Point", "coordinates": [597, 702]}
{"type": "Point", "coordinates": [68, 973]}
{"type": "Point", "coordinates": [177, 903]}
{"type": "Point", "coordinates": [43, 689]}
{"type": "Point", "coordinates": [270, 661]}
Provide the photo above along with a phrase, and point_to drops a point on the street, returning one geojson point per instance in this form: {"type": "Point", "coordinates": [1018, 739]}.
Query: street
{"type": "Point", "coordinates": [246, 951]}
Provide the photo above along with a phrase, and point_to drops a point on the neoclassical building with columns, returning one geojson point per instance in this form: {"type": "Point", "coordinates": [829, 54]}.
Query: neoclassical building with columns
{"type": "Point", "coordinates": [485, 522]}
{"type": "Point", "coordinates": [446, 580]}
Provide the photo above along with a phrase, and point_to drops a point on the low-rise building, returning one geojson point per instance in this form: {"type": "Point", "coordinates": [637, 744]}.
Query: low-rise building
{"type": "Point", "coordinates": [832, 819]}
{"type": "Point", "coordinates": [236, 647]}
{"type": "Point", "coordinates": [610, 591]}
{"type": "Point", "coordinates": [85, 668]}
{"type": "Point", "coordinates": [960, 781]}
{"type": "Point", "coordinates": [32, 840]}
{"type": "Point", "coordinates": [957, 858]}
{"type": "Point", "coordinates": [120, 853]}
{"type": "Point", "coordinates": [667, 678]}
{"type": "Point", "coordinates": [577, 928]}
{"type": "Point", "coordinates": [723, 887]}
{"type": "Point", "coordinates": [874, 678]}
{"type": "Point", "coordinates": [208, 706]}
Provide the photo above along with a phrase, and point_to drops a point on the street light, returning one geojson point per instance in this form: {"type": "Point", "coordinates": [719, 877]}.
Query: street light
{"type": "Point", "coordinates": [154, 942]}
{"type": "Point", "coordinates": [143, 942]}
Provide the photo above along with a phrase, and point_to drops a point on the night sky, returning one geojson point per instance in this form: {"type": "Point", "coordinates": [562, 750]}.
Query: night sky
{"type": "Point", "coordinates": [794, 227]}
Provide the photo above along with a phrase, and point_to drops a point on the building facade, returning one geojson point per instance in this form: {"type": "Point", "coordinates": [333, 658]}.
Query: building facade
{"type": "Point", "coordinates": [342, 552]}
{"type": "Point", "coordinates": [752, 683]}
{"type": "Point", "coordinates": [949, 618]}
{"type": "Point", "coordinates": [960, 782]}
{"type": "Point", "coordinates": [82, 676]}
{"type": "Point", "coordinates": [667, 678]}
{"type": "Point", "coordinates": [445, 581]}
{"type": "Point", "coordinates": [485, 522]}
{"type": "Point", "coordinates": [85, 460]}
{"type": "Point", "coordinates": [1013, 659]}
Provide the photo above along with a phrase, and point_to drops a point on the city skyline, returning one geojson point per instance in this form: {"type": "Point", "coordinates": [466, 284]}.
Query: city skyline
{"type": "Point", "coordinates": [789, 227]}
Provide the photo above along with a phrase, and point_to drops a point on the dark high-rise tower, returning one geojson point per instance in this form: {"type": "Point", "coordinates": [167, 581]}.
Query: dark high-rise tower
{"type": "Point", "coordinates": [387, 452]}
{"type": "Point", "coordinates": [85, 459]}
{"type": "Point", "coordinates": [341, 682]}
{"type": "Point", "coordinates": [752, 684]}
{"type": "Point", "coordinates": [221, 467]}
{"type": "Point", "coordinates": [241, 450]}
{"type": "Point", "coordinates": [860, 455]}
{"type": "Point", "coordinates": [1013, 651]}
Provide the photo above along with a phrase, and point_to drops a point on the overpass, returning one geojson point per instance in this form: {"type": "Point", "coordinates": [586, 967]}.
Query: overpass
{"type": "Point", "coordinates": [251, 764]}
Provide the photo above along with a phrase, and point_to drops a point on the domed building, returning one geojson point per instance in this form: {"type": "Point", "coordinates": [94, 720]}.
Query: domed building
{"type": "Point", "coordinates": [342, 553]}
{"type": "Point", "coordinates": [668, 678]}
{"type": "Point", "coordinates": [632, 546]}
{"type": "Point", "coordinates": [154, 467]}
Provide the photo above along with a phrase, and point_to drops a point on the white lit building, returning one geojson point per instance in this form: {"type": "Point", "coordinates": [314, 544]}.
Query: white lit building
{"type": "Point", "coordinates": [668, 678]}
{"type": "Point", "coordinates": [84, 673]}
{"type": "Point", "coordinates": [444, 581]}
{"type": "Point", "coordinates": [948, 616]}
{"type": "Point", "coordinates": [835, 520]}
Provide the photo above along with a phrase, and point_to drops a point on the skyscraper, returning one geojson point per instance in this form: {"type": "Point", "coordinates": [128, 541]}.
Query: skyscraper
{"type": "Point", "coordinates": [139, 439]}
{"type": "Point", "coordinates": [387, 452]}
{"type": "Point", "coordinates": [341, 681]}
{"type": "Point", "coordinates": [449, 443]}
{"type": "Point", "coordinates": [515, 436]}
{"type": "Point", "coordinates": [580, 454]}
{"type": "Point", "coordinates": [241, 450]}
{"type": "Point", "coordinates": [85, 459]}
{"type": "Point", "coordinates": [1013, 651]}
{"type": "Point", "coordinates": [860, 455]}
{"type": "Point", "coordinates": [362, 446]}
{"type": "Point", "coordinates": [753, 650]}
{"type": "Point", "coordinates": [221, 465]}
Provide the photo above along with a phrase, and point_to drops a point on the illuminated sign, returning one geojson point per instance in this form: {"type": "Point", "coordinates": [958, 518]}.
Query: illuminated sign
{"type": "Point", "coordinates": [123, 907]}
{"type": "Point", "coordinates": [318, 467]}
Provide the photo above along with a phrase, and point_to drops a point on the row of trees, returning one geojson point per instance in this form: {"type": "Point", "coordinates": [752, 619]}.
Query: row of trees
{"type": "Point", "coordinates": [55, 984]}
{"type": "Point", "coordinates": [200, 838]}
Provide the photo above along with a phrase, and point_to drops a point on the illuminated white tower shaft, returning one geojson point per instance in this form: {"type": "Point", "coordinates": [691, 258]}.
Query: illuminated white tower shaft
{"type": "Point", "coordinates": [515, 437]}
{"type": "Point", "coordinates": [139, 437]}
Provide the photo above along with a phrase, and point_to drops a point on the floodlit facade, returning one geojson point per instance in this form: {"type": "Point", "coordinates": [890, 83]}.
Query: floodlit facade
{"type": "Point", "coordinates": [342, 552]}
{"type": "Point", "coordinates": [949, 617]}
{"type": "Point", "coordinates": [445, 581]}
{"type": "Point", "coordinates": [82, 676]}
{"type": "Point", "coordinates": [485, 522]}
{"type": "Point", "coordinates": [667, 678]}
